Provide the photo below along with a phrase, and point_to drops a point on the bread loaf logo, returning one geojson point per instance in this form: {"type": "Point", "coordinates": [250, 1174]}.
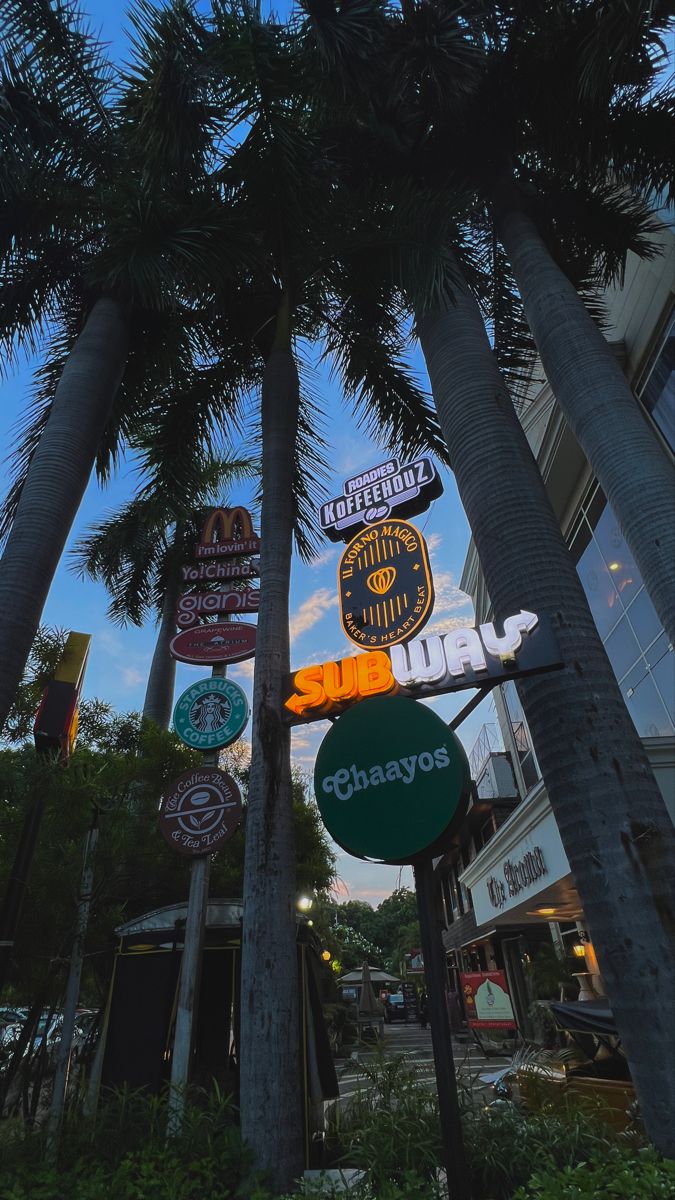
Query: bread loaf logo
{"type": "Point", "coordinates": [380, 581]}
{"type": "Point", "coordinates": [385, 585]}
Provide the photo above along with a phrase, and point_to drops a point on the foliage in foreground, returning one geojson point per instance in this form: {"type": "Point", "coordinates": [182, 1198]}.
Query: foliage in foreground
{"type": "Point", "coordinates": [123, 1154]}
{"type": "Point", "coordinates": [620, 1174]}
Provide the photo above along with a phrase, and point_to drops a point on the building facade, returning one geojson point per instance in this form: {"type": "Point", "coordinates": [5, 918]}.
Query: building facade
{"type": "Point", "coordinates": [509, 897]}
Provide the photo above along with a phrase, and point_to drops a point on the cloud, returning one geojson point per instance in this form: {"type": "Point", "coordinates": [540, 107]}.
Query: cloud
{"type": "Point", "coordinates": [312, 610]}
{"type": "Point", "coordinates": [131, 677]}
{"type": "Point", "coordinates": [433, 542]}
{"type": "Point", "coordinates": [324, 558]}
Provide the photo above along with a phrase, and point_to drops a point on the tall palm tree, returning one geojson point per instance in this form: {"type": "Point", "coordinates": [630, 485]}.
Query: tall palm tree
{"type": "Point", "coordinates": [109, 232]}
{"type": "Point", "coordinates": [539, 167]}
{"type": "Point", "coordinates": [601, 787]}
{"type": "Point", "coordinates": [137, 553]}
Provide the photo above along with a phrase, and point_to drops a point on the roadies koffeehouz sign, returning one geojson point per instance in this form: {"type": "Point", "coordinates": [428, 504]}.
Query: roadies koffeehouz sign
{"type": "Point", "coordinates": [386, 592]}
{"type": "Point", "coordinates": [385, 489]}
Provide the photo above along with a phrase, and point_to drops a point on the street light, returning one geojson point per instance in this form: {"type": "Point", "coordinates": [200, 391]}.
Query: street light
{"type": "Point", "coordinates": [304, 903]}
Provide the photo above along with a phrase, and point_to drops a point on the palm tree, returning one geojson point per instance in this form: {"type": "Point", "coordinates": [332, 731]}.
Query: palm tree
{"type": "Point", "coordinates": [137, 554]}
{"type": "Point", "coordinates": [109, 232]}
{"type": "Point", "coordinates": [601, 787]}
{"type": "Point", "coordinates": [540, 175]}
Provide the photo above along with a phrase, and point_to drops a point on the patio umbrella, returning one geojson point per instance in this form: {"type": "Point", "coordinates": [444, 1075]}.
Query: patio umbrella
{"type": "Point", "coordinates": [369, 1005]}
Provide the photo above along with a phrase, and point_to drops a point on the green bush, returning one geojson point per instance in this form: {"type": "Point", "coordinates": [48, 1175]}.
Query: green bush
{"type": "Point", "coordinates": [620, 1174]}
{"type": "Point", "coordinates": [123, 1154]}
{"type": "Point", "coordinates": [390, 1128]}
{"type": "Point", "coordinates": [504, 1147]}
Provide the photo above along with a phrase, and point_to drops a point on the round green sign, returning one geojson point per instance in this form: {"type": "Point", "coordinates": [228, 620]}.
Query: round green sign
{"type": "Point", "coordinates": [211, 714]}
{"type": "Point", "coordinates": [391, 780]}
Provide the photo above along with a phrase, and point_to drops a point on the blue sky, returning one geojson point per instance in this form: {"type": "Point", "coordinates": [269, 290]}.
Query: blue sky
{"type": "Point", "coordinates": [120, 658]}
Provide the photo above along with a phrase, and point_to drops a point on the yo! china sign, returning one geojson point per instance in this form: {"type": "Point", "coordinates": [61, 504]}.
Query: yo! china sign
{"type": "Point", "coordinates": [391, 780]}
{"type": "Point", "coordinates": [379, 492]}
{"type": "Point", "coordinates": [211, 714]}
{"type": "Point", "coordinates": [200, 811]}
{"type": "Point", "coordinates": [486, 1000]}
{"type": "Point", "coordinates": [385, 588]}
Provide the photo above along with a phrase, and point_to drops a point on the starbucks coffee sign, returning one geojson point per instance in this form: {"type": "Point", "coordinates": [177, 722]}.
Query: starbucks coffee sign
{"type": "Point", "coordinates": [211, 714]}
{"type": "Point", "coordinates": [391, 780]}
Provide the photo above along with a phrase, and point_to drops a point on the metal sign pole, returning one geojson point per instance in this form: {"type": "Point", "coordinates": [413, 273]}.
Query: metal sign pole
{"type": "Point", "coordinates": [188, 986]}
{"type": "Point", "coordinates": [441, 1038]}
{"type": "Point", "coordinates": [63, 1059]}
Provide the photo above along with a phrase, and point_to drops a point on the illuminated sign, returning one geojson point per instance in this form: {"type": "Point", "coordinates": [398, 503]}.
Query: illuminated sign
{"type": "Point", "coordinates": [385, 587]}
{"type": "Point", "coordinates": [212, 572]}
{"type": "Point", "coordinates": [193, 605]}
{"type": "Point", "coordinates": [211, 714]}
{"type": "Point", "coordinates": [427, 666]}
{"type": "Point", "coordinates": [200, 811]}
{"type": "Point", "coordinates": [391, 780]}
{"type": "Point", "coordinates": [57, 717]}
{"type": "Point", "coordinates": [377, 493]}
{"type": "Point", "coordinates": [221, 642]}
{"type": "Point", "coordinates": [227, 531]}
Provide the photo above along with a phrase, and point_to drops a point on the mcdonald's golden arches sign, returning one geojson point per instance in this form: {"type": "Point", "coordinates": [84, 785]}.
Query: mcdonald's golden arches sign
{"type": "Point", "coordinates": [227, 531]}
{"type": "Point", "coordinates": [385, 586]}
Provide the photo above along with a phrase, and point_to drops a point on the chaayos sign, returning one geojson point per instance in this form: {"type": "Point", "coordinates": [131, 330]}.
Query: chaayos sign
{"type": "Point", "coordinates": [377, 493]}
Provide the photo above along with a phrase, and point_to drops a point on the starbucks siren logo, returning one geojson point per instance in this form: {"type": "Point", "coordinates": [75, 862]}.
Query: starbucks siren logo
{"type": "Point", "coordinates": [211, 714]}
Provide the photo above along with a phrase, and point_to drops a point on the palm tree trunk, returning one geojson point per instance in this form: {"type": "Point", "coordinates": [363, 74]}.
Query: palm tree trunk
{"type": "Point", "coordinates": [634, 470]}
{"type": "Point", "coordinates": [55, 484]}
{"type": "Point", "coordinates": [270, 1064]}
{"type": "Point", "coordinates": [158, 703]}
{"type": "Point", "coordinates": [613, 823]}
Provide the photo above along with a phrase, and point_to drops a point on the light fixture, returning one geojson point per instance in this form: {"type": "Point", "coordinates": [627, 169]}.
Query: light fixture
{"type": "Point", "coordinates": [325, 954]}
{"type": "Point", "coordinates": [614, 566]}
{"type": "Point", "coordinates": [310, 922]}
{"type": "Point", "coordinates": [578, 950]}
{"type": "Point", "coordinates": [304, 903]}
{"type": "Point", "coordinates": [545, 912]}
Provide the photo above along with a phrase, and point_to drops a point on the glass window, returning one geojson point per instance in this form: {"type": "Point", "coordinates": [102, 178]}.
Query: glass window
{"type": "Point", "coordinates": [622, 648]}
{"type": "Point", "coordinates": [623, 571]}
{"type": "Point", "coordinates": [598, 584]}
{"type": "Point", "coordinates": [658, 393]}
{"type": "Point", "coordinates": [645, 704]}
{"type": "Point", "coordinates": [623, 612]}
{"type": "Point", "coordinates": [521, 733]}
{"type": "Point", "coordinates": [643, 618]}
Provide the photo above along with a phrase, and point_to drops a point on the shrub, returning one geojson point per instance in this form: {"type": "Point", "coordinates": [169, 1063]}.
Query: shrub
{"type": "Point", "coordinates": [504, 1147]}
{"type": "Point", "coordinates": [619, 1174]}
{"type": "Point", "coordinates": [123, 1154]}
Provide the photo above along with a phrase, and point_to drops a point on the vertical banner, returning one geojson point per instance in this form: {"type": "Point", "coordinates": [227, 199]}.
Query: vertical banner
{"type": "Point", "coordinates": [487, 1000]}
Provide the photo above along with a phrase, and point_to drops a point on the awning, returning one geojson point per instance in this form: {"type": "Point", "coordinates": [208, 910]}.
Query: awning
{"type": "Point", "coordinates": [585, 1016]}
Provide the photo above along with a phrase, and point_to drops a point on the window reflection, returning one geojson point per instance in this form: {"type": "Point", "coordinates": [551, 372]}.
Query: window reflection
{"type": "Point", "coordinates": [625, 617]}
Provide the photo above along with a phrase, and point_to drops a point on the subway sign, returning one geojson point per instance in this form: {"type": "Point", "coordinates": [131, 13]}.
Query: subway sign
{"type": "Point", "coordinates": [426, 666]}
{"type": "Point", "coordinates": [377, 493]}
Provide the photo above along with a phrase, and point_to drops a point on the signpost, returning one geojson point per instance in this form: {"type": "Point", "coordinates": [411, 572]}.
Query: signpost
{"type": "Point", "coordinates": [426, 666]}
{"type": "Point", "coordinates": [385, 588]}
{"type": "Point", "coordinates": [211, 714]}
{"type": "Point", "coordinates": [205, 644]}
{"type": "Point", "coordinates": [391, 780]}
{"type": "Point", "coordinates": [200, 811]}
{"type": "Point", "coordinates": [378, 493]}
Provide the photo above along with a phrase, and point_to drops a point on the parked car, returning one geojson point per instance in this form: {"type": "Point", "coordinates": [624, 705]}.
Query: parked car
{"type": "Point", "coordinates": [394, 1008]}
